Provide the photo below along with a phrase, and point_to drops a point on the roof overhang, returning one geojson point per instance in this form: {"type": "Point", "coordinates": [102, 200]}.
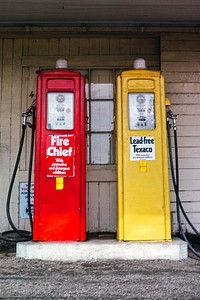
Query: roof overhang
{"type": "Point", "coordinates": [100, 12]}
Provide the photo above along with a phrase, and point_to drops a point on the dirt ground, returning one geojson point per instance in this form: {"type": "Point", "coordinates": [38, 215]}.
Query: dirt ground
{"type": "Point", "coordinates": [138, 279]}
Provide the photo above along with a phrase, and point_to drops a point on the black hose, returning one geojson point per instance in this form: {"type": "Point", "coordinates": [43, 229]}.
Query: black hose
{"type": "Point", "coordinates": [19, 232]}
{"type": "Point", "coordinates": [4, 236]}
{"type": "Point", "coordinates": [30, 168]}
{"type": "Point", "coordinates": [177, 173]}
{"type": "Point", "coordinates": [175, 181]}
{"type": "Point", "coordinates": [23, 235]}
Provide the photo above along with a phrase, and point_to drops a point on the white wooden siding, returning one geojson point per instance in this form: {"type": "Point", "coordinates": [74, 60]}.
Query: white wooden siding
{"type": "Point", "coordinates": [180, 64]}
{"type": "Point", "coordinates": [20, 58]}
{"type": "Point", "coordinates": [10, 116]}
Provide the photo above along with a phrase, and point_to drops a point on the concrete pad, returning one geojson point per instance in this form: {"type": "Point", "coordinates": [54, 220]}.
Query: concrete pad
{"type": "Point", "coordinates": [93, 250]}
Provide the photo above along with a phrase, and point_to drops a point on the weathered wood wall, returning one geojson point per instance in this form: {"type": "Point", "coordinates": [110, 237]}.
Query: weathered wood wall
{"type": "Point", "coordinates": [21, 57]}
{"type": "Point", "coordinates": [180, 64]}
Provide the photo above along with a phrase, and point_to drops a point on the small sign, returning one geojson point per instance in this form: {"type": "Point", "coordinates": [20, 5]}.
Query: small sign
{"type": "Point", "coordinates": [23, 199]}
{"type": "Point", "coordinates": [142, 148]}
{"type": "Point", "coordinates": [60, 153]}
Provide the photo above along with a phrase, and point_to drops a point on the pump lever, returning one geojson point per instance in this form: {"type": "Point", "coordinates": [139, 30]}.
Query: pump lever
{"type": "Point", "coordinates": [30, 108]}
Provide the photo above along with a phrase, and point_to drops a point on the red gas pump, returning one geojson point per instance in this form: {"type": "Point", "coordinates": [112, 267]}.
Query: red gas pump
{"type": "Point", "coordinates": [59, 196]}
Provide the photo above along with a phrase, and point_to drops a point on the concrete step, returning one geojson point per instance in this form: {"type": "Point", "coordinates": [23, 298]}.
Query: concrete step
{"type": "Point", "coordinates": [102, 250]}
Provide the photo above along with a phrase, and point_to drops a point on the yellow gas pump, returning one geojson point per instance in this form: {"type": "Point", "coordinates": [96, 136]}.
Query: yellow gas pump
{"type": "Point", "coordinates": [142, 160]}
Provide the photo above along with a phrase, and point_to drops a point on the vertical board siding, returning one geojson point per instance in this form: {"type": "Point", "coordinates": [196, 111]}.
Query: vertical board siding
{"type": "Point", "coordinates": [93, 207]}
{"type": "Point", "coordinates": [180, 64]}
{"type": "Point", "coordinates": [104, 45]}
{"type": "Point", "coordinates": [1, 164]}
{"type": "Point", "coordinates": [10, 115]}
{"type": "Point", "coordinates": [64, 47]}
{"type": "Point", "coordinates": [43, 47]}
{"type": "Point", "coordinates": [33, 46]}
{"type": "Point", "coordinates": [102, 207]}
{"type": "Point", "coordinates": [18, 80]}
{"type": "Point", "coordinates": [15, 120]}
{"type": "Point", "coordinates": [107, 208]}
{"type": "Point", "coordinates": [53, 46]}
{"type": "Point", "coordinates": [6, 111]}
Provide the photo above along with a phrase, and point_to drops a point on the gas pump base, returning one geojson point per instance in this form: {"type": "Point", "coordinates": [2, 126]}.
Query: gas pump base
{"type": "Point", "coordinates": [93, 250]}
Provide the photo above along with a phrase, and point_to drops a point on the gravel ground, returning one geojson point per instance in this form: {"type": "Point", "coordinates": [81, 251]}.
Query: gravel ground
{"type": "Point", "coordinates": [158, 279]}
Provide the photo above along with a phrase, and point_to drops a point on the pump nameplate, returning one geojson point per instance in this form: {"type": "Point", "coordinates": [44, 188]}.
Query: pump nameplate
{"type": "Point", "coordinates": [142, 148]}
{"type": "Point", "coordinates": [60, 154]}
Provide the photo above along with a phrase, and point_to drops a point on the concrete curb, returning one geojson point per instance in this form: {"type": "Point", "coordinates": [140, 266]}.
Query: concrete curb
{"type": "Point", "coordinates": [93, 250]}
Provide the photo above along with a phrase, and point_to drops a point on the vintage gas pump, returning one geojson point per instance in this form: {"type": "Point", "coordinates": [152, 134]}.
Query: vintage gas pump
{"type": "Point", "coordinates": [59, 201]}
{"type": "Point", "coordinates": [143, 183]}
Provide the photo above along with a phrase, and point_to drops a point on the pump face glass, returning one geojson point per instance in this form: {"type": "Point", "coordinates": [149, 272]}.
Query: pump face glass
{"type": "Point", "coordinates": [60, 111]}
{"type": "Point", "coordinates": [141, 111]}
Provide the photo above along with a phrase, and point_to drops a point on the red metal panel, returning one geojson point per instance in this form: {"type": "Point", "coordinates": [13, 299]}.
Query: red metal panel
{"type": "Point", "coordinates": [60, 83]}
{"type": "Point", "coordinates": [60, 214]}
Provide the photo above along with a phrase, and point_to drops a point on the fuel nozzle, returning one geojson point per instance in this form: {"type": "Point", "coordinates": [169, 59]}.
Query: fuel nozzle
{"type": "Point", "coordinates": [174, 117]}
{"type": "Point", "coordinates": [171, 116]}
{"type": "Point", "coordinates": [24, 119]}
{"type": "Point", "coordinates": [29, 112]}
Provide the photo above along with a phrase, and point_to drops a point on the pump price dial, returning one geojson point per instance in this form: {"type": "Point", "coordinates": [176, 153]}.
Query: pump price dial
{"type": "Point", "coordinates": [60, 111]}
{"type": "Point", "coordinates": [141, 111]}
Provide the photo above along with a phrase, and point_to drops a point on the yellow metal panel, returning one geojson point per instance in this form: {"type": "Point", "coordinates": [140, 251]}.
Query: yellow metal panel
{"type": "Point", "coordinates": [118, 120]}
{"type": "Point", "coordinates": [143, 185]}
{"type": "Point", "coordinates": [139, 84]}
